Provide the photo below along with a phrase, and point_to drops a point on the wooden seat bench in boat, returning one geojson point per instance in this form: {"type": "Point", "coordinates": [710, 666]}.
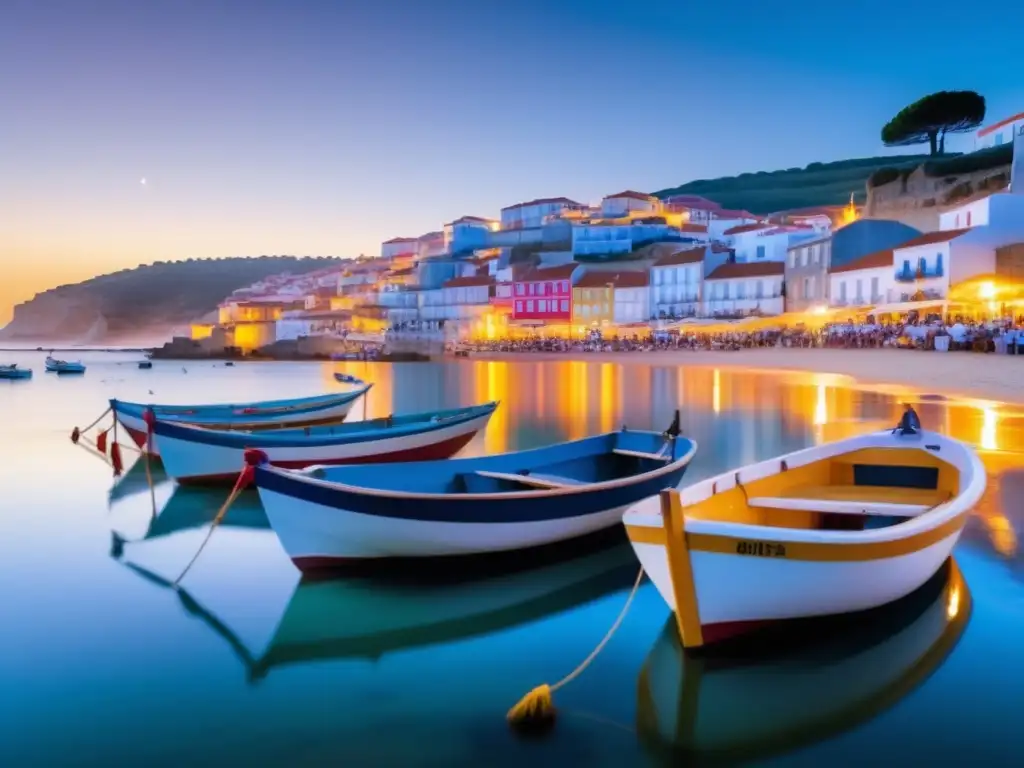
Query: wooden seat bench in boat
{"type": "Point", "coordinates": [854, 500]}
{"type": "Point", "coordinates": [641, 454]}
{"type": "Point", "coordinates": [538, 480]}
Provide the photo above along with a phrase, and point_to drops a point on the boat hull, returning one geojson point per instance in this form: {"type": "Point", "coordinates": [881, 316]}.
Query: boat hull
{"type": "Point", "coordinates": [136, 426]}
{"type": "Point", "coordinates": [723, 576]}
{"type": "Point", "coordinates": [326, 526]}
{"type": "Point", "coordinates": [189, 461]}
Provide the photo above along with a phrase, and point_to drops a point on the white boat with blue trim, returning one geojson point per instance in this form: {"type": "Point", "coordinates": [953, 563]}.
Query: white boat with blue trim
{"type": "Point", "coordinates": [247, 417]}
{"type": "Point", "coordinates": [832, 529]}
{"type": "Point", "coordinates": [14, 372]}
{"type": "Point", "coordinates": [63, 366]}
{"type": "Point", "coordinates": [326, 517]}
{"type": "Point", "coordinates": [193, 454]}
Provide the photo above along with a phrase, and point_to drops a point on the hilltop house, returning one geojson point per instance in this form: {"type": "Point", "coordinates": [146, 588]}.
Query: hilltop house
{"type": "Point", "coordinates": [534, 213]}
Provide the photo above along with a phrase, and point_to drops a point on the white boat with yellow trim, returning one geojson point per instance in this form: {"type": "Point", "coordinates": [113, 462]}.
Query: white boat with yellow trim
{"type": "Point", "coordinates": [813, 681]}
{"type": "Point", "coordinates": [831, 529]}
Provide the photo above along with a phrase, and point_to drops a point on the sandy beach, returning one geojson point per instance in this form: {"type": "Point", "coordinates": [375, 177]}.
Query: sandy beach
{"type": "Point", "coordinates": [959, 374]}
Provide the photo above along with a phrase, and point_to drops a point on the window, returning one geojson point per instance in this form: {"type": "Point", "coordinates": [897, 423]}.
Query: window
{"type": "Point", "coordinates": [842, 291]}
{"type": "Point", "coordinates": [519, 305]}
{"type": "Point", "coordinates": [542, 305]}
{"type": "Point", "coordinates": [759, 289]}
{"type": "Point", "coordinates": [565, 305]}
{"type": "Point", "coordinates": [529, 306]}
{"type": "Point", "coordinates": [938, 265]}
{"type": "Point", "coordinates": [760, 251]}
{"type": "Point", "coordinates": [874, 289]}
{"type": "Point", "coordinates": [807, 289]}
{"type": "Point", "coordinates": [922, 264]}
{"type": "Point", "coordinates": [565, 286]}
{"type": "Point", "coordinates": [520, 289]}
{"type": "Point", "coordinates": [792, 259]}
{"type": "Point", "coordinates": [860, 291]}
{"type": "Point", "coordinates": [741, 290]}
{"type": "Point", "coordinates": [533, 288]}
{"type": "Point", "coordinates": [968, 218]}
{"type": "Point", "coordinates": [584, 310]}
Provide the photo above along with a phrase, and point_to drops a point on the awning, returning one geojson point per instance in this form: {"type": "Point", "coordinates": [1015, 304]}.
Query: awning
{"type": "Point", "coordinates": [905, 306]}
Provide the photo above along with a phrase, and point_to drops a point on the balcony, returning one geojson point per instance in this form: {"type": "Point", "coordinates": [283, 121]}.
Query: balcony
{"type": "Point", "coordinates": [907, 275]}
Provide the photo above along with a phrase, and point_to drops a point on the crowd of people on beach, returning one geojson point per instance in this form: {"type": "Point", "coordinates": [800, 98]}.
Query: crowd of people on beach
{"type": "Point", "coordinates": [1002, 337]}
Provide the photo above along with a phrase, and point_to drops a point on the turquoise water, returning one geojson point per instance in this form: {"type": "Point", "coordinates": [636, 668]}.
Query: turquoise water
{"type": "Point", "coordinates": [102, 663]}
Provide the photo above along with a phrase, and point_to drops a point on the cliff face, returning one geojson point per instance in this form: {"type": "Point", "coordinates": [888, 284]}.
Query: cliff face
{"type": "Point", "coordinates": [142, 303]}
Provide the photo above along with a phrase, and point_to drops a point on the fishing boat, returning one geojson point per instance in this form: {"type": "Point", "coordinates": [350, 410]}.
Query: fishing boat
{"type": "Point", "coordinates": [327, 517]}
{"type": "Point", "coordinates": [63, 366]}
{"type": "Point", "coordinates": [198, 455]}
{"type": "Point", "coordinates": [809, 685]}
{"type": "Point", "coordinates": [14, 372]}
{"type": "Point", "coordinates": [361, 619]}
{"type": "Point", "coordinates": [347, 378]}
{"type": "Point", "coordinates": [831, 529]}
{"type": "Point", "coordinates": [248, 417]}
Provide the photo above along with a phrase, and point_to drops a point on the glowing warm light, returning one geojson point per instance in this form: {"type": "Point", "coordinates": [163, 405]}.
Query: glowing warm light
{"type": "Point", "coordinates": [989, 423]}
{"type": "Point", "coordinates": [494, 226]}
{"type": "Point", "coordinates": [820, 407]}
{"type": "Point", "coordinates": [819, 310]}
{"type": "Point", "coordinates": [987, 290]}
{"type": "Point", "coordinates": [849, 213]}
{"type": "Point", "coordinates": [953, 602]}
{"type": "Point", "coordinates": [716, 391]}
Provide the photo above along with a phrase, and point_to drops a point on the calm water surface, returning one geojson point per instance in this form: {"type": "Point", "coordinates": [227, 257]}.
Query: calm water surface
{"type": "Point", "coordinates": [101, 663]}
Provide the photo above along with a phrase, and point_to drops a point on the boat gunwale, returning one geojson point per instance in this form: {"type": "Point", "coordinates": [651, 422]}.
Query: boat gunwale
{"type": "Point", "coordinates": [942, 514]}
{"type": "Point", "coordinates": [300, 478]}
{"type": "Point", "coordinates": [196, 434]}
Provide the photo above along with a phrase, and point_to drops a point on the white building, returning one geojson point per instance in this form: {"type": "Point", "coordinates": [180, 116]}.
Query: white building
{"type": "Point", "coordinates": [459, 299]}
{"type": "Point", "coordinates": [623, 203]}
{"type": "Point", "coordinates": [722, 221]}
{"type": "Point", "coordinates": [631, 296]}
{"type": "Point", "coordinates": [765, 242]}
{"type": "Point", "coordinates": [866, 281]}
{"type": "Point", "coordinates": [467, 234]}
{"type": "Point", "coordinates": [999, 133]}
{"type": "Point", "coordinates": [605, 238]}
{"type": "Point", "coordinates": [676, 281]}
{"type": "Point", "coordinates": [1000, 210]}
{"type": "Point", "coordinates": [697, 209]}
{"type": "Point", "coordinates": [533, 213]}
{"type": "Point", "coordinates": [399, 248]}
{"type": "Point", "coordinates": [430, 245]}
{"type": "Point", "coordinates": [742, 288]}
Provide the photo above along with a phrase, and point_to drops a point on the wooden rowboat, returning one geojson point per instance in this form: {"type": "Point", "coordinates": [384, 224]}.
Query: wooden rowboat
{"type": "Point", "coordinates": [248, 417]}
{"type": "Point", "coordinates": [832, 529]}
{"type": "Point", "coordinates": [328, 517]}
{"type": "Point", "coordinates": [198, 455]}
{"type": "Point", "coordinates": [812, 683]}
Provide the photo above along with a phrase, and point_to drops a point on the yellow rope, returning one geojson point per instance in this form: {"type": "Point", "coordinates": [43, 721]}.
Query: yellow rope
{"type": "Point", "coordinates": [537, 707]}
{"type": "Point", "coordinates": [239, 487]}
{"type": "Point", "coordinates": [101, 417]}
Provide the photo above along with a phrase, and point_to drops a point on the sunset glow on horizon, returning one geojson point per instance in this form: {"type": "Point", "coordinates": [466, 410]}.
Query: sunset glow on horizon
{"type": "Point", "coordinates": [140, 132]}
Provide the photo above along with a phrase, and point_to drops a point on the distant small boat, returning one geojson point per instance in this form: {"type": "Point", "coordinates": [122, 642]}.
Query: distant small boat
{"type": "Point", "coordinates": [14, 372]}
{"type": "Point", "coordinates": [823, 678]}
{"type": "Point", "coordinates": [145, 365]}
{"type": "Point", "coordinates": [229, 364]}
{"type": "Point", "coordinates": [331, 516]}
{"type": "Point", "coordinates": [199, 455]}
{"type": "Point", "coordinates": [63, 366]}
{"type": "Point", "coordinates": [832, 529]}
{"type": "Point", "coordinates": [347, 378]}
{"type": "Point", "coordinates": [246, 417]}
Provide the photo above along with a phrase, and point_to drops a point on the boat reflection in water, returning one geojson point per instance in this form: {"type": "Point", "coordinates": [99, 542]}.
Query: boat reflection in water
{"type": "Point", "coordinates": [358, 618]}
{"type": "Point", "coordinates": [136, 481]}
{"type": "Point", "coordinates": [806, 682]}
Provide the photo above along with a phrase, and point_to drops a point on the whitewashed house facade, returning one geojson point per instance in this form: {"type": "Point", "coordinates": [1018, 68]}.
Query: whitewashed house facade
{"type": "Point", "coordinates": [534, 213]}
{"type": "Point", "coordinates": [625, 203]}
{"type": "Point", "coordinates": [1000, 133]}
{"type": "Point", "coordinates": [631, 297]}
{"type": "Point", "coordinates": [862, 282]}
{"type": "Point", "coordinates": [1001, 210]}
{"type": "Point", "coordinates": [741, 288]}
{"type": "Point", "coordinates": [676, 281]}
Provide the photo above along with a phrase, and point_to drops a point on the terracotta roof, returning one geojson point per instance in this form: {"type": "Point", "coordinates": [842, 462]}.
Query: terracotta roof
{"type": "Point", "coordinates": [561, 272]}
{"type": "Point", "coordinates": [431, 236]}
{"type": "Point", "coordinates": [929, 238]}
{"type": "Point", "coordinates": [871, 261]}
{"type": "Point", "coordinates": [394, 240]}
{"type": "Point", "coordinates": [541, 201]}
{"type": "Point", "coordinates": [730, 213]}
{"type": "Point", "coordinates": [1001, 124]}
{"type": "Point", "coordinates": [599, 279]}
{"type": "Point", "coordinates": [698, 228]}
{"type": "Point", "coordinates": [745, 228]}
{"type": "Point", "coordinates": [691, 256]}
{"type": "Point", "coordinates": [631, 194]}
{"type": "Point", "coordinates": [469, 280]}
{"type": "Point", "coordinates": [747, 269]}
{"type": "Point", "coordinates": [719, 248]}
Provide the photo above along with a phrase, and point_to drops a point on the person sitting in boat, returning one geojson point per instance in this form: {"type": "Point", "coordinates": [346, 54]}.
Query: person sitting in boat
{"type": "Point", "coordinates": [910, 424]}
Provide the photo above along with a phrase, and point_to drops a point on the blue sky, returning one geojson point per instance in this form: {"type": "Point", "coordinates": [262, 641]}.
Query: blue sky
{"type": "Point", "coordinates": [325, 127]}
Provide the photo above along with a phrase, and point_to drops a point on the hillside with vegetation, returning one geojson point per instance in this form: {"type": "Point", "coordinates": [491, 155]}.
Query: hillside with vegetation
{"type": "Point", "coordinates": [150, 297]}
{"type": "Point", "coordinates": [815, 184]}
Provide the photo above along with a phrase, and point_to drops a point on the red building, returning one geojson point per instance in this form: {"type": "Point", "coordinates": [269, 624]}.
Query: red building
{"type": "Point", "coordinates": [544, 294]}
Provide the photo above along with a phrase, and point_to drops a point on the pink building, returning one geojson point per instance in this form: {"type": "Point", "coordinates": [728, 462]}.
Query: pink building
{"type": "Point", "coordinates": [544, 294]}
